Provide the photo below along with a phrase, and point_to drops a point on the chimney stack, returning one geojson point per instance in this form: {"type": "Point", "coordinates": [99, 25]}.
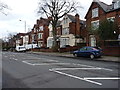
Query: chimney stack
{"type": "Point", "coordinates": [77, 19]}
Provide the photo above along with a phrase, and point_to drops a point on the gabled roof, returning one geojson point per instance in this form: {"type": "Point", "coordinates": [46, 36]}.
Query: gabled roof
{"type": "Point", "coordinates": [106, 8]}
{"type": "Point", "coordinates": [72, 18]}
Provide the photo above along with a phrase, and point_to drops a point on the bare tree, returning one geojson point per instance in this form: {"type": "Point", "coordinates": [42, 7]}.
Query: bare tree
{"type": "Point", "coordinates": [3, 7]}
{"type": "Point", "coordinates": [56, 9]}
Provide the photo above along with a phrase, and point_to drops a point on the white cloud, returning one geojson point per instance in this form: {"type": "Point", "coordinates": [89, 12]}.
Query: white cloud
{"type": "Point", "coordinates": [25, 10]}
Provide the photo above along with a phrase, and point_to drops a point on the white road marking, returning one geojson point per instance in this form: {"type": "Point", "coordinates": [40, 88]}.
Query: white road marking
{"type": "Point", "coordinates": [102, 78]}
{"type": "Point", "coordinates": [107, 69]}
{"type": "Point", "coordinates": [12, 55]}
{"type": "Point", "coordinates": [52, 60]}
{"type": "Point", "coordinates": [94, 82]}
{"type": "Point", "coordinates": [75, 68]}
{"type": "Point", "coordinates": [45, 59]}
{"type": "Point", "coordinates": [92, 66]}
{"type": "Point", "coordinates": [82, 65]}
{"type": "Point", "coordinates": [42, 63]}
{"type": "Point", "coordinates": [27, 63]}
{"type": "Point", "coordinates": [51, 63]}
{"type": "Point", "coordinates": [15, 59]}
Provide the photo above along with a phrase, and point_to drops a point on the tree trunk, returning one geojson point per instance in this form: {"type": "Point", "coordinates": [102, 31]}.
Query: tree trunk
{"type": "Point", "coordinates": [55, 45]}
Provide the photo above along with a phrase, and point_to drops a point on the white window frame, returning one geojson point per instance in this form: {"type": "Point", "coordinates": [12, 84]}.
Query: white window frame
{"type": "Point", "coordinates": [50, 42]}
{"type": "Point", "coordinates": [40, 43]}
{"type": "Point", "coordinates": [111, 19]}
{"type": "Point", "coordinates": [41, 28]}
{"type": "Point", "coordinates": [64, 41]}
{"type": "Point", "coordinates": [95, 24]}
{"type": "Point", "coordinates": [95, 12]}
{"type": "Point", "coordinates": [65, 31]}
{"type": "Point", "coordinates": [65, 20]}
{"type": "Point", "coordinates": [40, 35]}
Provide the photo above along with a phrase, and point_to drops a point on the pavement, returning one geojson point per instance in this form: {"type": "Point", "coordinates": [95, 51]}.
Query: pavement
{"type": "Point", "coordinates": [69, 55]}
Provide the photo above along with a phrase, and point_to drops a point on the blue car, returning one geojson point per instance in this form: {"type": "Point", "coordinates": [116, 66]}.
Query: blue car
{"type": "Point", "coordinates": [87, 51]}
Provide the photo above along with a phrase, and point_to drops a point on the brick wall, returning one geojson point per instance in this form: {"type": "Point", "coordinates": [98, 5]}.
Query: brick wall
{"type": "Point", "coordinates": [111, 51]}
{"type": "Point", "coordinates": [72, 28]}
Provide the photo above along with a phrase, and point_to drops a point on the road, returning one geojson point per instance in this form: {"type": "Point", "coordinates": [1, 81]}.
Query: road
{"type": "Point", "coordinates": [24, 70]}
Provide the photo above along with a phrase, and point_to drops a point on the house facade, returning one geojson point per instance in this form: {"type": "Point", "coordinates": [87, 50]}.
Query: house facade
{"type": "Point", "coordinates": [58, 33]}
{"type": "Point", "coordinates": [43, 32]}
{"type": "Point", "coordinates": [39, 33]}
{"type": "Point", "coordinates": [97, 13]}
{"type": "Point", "coordinates": [70, 31]}
{"type": "Point", "coordinates": [19, 39]}
{"type": "Point", "coordinates": [73, 31]}
{"type": "Point", "coordinates": [25, 39]}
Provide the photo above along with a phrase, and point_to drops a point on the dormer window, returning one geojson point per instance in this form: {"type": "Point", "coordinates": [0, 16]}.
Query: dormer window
{"type": "Point", "coordinates": [94, 12]}
{"type": "Point", "coordinates": [65, 20]}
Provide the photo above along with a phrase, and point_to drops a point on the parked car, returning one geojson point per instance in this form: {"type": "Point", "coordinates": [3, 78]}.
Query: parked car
{"type": "Point", "coordinates": [87, 51]}
{"type": "Point", "coordinates": [20, 48]}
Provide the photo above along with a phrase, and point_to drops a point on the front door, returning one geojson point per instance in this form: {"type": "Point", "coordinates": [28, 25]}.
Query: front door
{"type": "Point", "coordinates": [92, 40]}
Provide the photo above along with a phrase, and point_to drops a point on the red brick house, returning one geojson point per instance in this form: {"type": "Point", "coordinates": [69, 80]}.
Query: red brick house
{"type": "Point", "coordinates": [33, 39]}
{"type": "Point", "coordinates": [70, 31]}
{"type": "Point", "coordinates": [19, 39]}
{"type": "Point", "coordinates": [39, 33]}
{"type": "Point", "coordinates": [73, 31]}
{"type": "Point", "coordinates": [100, 11]}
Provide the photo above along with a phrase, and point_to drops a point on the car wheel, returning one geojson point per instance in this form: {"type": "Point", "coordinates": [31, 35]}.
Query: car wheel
{"type": "Point", "coordinates": [92, 56]}
{"type": "Point", "coordinates": [75, 55]}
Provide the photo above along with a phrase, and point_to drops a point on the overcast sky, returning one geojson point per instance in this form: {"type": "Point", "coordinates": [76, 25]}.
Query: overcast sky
{"type": "Point", "coordinates": [25, 10]}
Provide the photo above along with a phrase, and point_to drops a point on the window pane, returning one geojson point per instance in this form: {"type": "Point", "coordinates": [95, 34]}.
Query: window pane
{"type": "Point", "coordinates": [95, 12]}
{"type": "Point", "coordinates": [95, 24]}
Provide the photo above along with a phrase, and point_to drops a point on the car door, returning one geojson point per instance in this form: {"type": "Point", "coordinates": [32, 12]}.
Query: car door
{"type": "Point", "coordinates": [82, 51]}
{"type": "Point", "coordinates": [88, 51]}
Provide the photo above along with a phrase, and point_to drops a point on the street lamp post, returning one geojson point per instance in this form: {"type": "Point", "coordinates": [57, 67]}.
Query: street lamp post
{"type": "Point", "coordinates": [25, 31]}
{"type": "Point", "coordinates": [25, 24]}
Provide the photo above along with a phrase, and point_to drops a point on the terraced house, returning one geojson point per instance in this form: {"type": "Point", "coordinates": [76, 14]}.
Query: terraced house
{"type": "Point", "coordinates": [100, 11]}
{"type": "Point", "coordinates": [39, 33]}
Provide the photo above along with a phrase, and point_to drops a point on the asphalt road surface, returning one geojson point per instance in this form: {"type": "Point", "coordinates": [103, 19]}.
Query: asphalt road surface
{"type": "Point", "coordinates": [23, 70]}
